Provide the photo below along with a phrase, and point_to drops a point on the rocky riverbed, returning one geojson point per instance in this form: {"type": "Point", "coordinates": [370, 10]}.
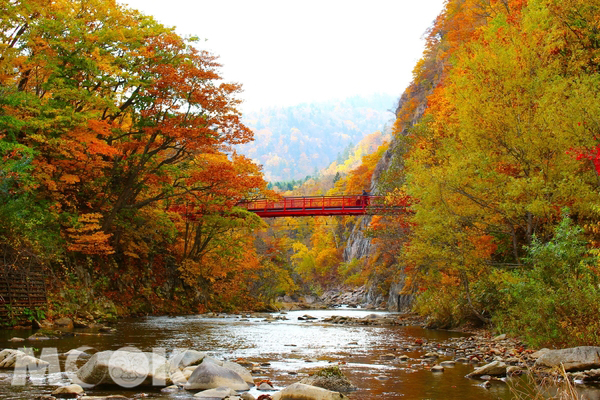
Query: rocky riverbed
{"type": "Point", "coordinates": [333, 298]}
{"type": "Point", "coordinates": [273, 351]}
{"type": "Point", "coordinates": [202, 376]}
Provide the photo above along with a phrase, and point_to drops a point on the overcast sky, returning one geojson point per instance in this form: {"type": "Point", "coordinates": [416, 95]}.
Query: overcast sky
{"type": "Point", "coordinates": [287, 52]}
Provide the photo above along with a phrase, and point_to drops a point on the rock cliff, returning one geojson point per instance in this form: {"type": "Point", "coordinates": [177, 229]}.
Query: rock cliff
{"type": "Point", "coordinates": [361, 247]}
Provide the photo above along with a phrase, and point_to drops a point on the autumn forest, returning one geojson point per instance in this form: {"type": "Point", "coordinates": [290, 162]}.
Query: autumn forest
{"type": "Point", "coordinates": [123, 167]}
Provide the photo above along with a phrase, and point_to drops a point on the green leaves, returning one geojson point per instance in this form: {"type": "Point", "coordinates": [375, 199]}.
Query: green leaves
{"type": "Point", "coordinates": [556, 299]}
{"type": "Point", "coordinates": [15, 174]}
{"type": "Point", "coordinates": [564, 256]}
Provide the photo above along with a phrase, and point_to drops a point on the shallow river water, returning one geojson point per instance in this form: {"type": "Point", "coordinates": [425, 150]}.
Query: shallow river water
{"type": "Point", "coordinates": [293, 348]}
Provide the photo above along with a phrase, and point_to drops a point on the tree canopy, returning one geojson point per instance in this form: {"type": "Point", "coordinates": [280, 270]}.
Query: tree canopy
{"type": "Point", "coordinates": [116, 136]}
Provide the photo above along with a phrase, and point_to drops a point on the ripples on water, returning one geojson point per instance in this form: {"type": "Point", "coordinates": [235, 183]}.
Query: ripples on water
{"type": "Point", "coordinates": [293, 348]}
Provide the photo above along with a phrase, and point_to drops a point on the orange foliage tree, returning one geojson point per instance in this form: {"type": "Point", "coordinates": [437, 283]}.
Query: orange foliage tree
{"type": "Point", "coordinates": [123, 120]}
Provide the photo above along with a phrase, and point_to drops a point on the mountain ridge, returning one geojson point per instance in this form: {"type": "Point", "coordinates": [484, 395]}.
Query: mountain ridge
{"type": "Point", "coordinates": [296, 141]}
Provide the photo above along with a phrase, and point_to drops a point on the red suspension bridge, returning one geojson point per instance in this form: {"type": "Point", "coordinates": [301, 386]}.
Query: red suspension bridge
{"type": "Point", "coordinates": [316, 205]}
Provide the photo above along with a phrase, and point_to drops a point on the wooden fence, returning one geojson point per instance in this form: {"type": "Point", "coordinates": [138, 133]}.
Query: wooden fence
{"type": "Point", "coordinates": [22, 287]}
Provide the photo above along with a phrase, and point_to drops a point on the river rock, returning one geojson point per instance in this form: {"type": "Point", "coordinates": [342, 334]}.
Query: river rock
{"type": "Point", "coordinates": [187, 358]}
{"type": "Point", "coordinates": [437, 368]}
{"type": "Point", "coordinates": [43, 324]}
{"type": "Point", "coordinates": [265, 386]}
{"type": "Point", "coordinates": [71, 391]}
{"type": "Point", "coordinates": [573, 359]}
{"type": "Point", "coordinates": [82, 324]}
{"type": "Point", "coordinates": [592, 375]}
{"type": "Point", "coordinates": [538, 353]}
{"type": "Point", "coordinates": [306, 317]}
{"type": "Point", "coordinates": [170, 389]}
{"type": "Point", "coordinates": [244, 363]}
{"type": "Point", "coordinates": [241, 371]}
{"type": "Point", "coordinates": [512, 361]}
{"type": "Point", "coordinates": [106, 329]}
{"type": "Point", "coordinates": [330, 378]}
{"type": "Point", "coordinates": [213, 360]}
{"type": "Point", "coordinates": [179, 377]}
{"type": "Point", "coordinates": [216, 393]}
{"type": "Point", "coordinates": [371, 316]}
{"type": "Point", "coordinates": [16, 339]}
{"type": "Point", "coordinates": [301, 391]}
{"type": "Point", "coordinates": [76, 353]}
{"type": "Point", "coordinates": [10, 358]}
{"type": "Point", "coordinates": [448, 363]}
{"type": "Point", "coordinates": [64, 323]}
{"type": "Point", "coordinates": [209, 375]}
{"type": "Point", "coordinates": [39, 336]}
{"type": "Point", "coordinates": [496, 368]}
{"type": "Point", "coordinates": [247, 396]}
{"type": "Point", "coordinates": [125, 368]}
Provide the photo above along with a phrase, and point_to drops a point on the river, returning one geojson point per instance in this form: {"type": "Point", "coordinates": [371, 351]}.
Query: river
{"type": "Point", "coordinates": [292, 349]}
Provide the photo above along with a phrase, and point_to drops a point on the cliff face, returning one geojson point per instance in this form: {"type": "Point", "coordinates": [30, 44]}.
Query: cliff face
{"type": "Point", "coordinates": [358, 246]}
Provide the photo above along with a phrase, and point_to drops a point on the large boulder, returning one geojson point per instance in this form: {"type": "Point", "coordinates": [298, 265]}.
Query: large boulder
{"type": "Point", "coordinates": [573, 359]}
{"type": "Point", "coordinates": [10, 358]}
{"type": "Point", "coordinates": [496, 368]}
{"type": "Point", "coordinates": [300, 391]}
{"type": "Point", "coordinates": [209, 375]}
{"type": "Point", "coordinates": [330, 378]}
{"type": "Point", "coordinates": [187, 358]}
{"type": "Point", "coordinates": [241, 371]}
{"type": "Point", "coordinates": [125, 368]}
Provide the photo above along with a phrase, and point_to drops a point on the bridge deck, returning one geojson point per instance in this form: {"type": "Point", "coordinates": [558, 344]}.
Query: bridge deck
{"type": "Point", "coordinates": [313, 206]}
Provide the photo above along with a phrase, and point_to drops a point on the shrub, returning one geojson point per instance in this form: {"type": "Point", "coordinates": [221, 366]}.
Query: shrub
{"type": "Point", "coordinates": [443, 306]}
{"type": "Point", "coordinates": [555, 301]}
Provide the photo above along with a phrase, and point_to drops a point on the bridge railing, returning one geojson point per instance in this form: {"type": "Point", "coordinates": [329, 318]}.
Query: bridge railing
{"type": "Point", "coordinates": [352, 202]}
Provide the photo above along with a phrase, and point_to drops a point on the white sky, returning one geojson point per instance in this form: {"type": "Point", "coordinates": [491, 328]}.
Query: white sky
{"type": "Point", "coordinates": [287, 52]}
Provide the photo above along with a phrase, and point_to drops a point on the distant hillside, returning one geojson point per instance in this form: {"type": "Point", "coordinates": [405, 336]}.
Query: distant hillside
{"type": "Point", "coordinates": [321, 182]}
{"type": "Point", "coordinates": [293, 142]}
